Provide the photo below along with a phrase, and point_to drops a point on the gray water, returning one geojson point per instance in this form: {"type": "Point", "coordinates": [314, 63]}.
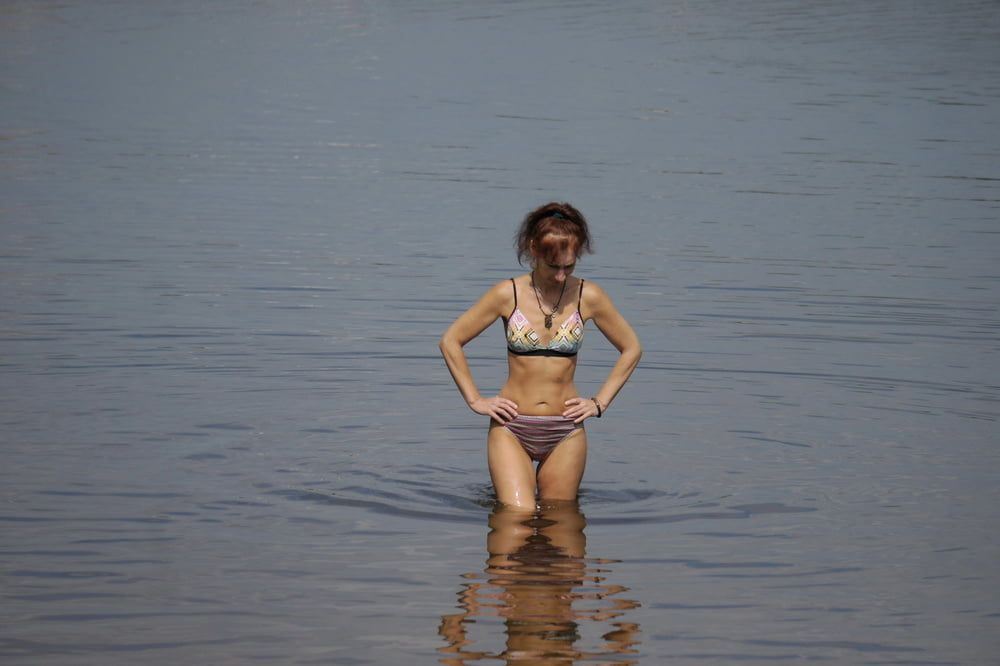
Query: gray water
{"type": "Point", "coordinates": [232, 231]}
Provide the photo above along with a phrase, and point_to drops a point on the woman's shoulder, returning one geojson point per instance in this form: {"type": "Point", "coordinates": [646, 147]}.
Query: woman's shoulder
{"type": "Point", "coordinates": [519, 282]}
{"type": "Point", "coordinates": [501, 296]}
{"type": "Point", "coordinates": [592, 290]}
{"type": "Point", "coordinates": [502, 287]}
{"type": "Point", "coordinates": [592, 298]}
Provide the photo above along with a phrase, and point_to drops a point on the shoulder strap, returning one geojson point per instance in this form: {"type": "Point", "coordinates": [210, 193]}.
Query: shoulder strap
{"type": "Point", "coordinates": [580, 301]}
{"type": "Point", "coordinates": [514, 287]}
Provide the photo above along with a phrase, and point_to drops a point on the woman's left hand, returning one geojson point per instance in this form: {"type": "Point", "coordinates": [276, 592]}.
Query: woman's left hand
{"type": "Point", "coordinates": [579, 409]}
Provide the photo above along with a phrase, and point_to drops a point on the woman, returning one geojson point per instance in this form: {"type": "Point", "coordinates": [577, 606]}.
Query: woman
{"type": "Point", "coordinates": [538, 415]}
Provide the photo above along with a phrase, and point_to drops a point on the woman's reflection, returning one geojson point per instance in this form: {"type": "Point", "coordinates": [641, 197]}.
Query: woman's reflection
{"type": "Point", "coordinates": [538, 580]}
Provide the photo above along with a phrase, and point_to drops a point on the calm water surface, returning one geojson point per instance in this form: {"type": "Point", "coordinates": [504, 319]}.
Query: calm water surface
{"type": "Point", "coordinates": [231, 233]}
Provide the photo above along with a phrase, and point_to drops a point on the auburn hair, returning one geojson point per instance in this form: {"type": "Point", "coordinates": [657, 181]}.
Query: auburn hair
{"type": "Point", "coordinates": [554, 228]}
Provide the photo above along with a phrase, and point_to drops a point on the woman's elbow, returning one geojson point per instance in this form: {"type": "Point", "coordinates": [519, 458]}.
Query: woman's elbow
{"type": "Point", "coordinates": [448, 343]}
{"type": "Point", "coordinates": [636, 352]}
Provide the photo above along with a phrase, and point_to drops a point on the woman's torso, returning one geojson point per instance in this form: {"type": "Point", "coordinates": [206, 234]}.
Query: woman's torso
{"type": "Point", "coordinates": [542, 361]}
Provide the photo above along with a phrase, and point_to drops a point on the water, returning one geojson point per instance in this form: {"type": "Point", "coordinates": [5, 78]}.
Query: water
{"type": "Point", "coordinates": [232, 232]}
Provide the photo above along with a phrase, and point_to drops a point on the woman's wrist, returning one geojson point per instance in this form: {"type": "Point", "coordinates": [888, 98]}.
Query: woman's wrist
{"type": "Point", "coordinates": [600, 407]}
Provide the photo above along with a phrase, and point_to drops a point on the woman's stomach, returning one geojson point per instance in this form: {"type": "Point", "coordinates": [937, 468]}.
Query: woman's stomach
{"type": "Point", "coordinates": [540, 393]}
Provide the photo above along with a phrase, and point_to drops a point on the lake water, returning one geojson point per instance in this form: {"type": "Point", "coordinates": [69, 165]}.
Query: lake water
{"type": "Point", "coordinates": [232, 231]}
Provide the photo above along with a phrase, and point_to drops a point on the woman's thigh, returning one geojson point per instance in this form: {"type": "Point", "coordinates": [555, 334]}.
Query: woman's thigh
{"type": "Point", "coordinates": [511, 469]}
{"type": "Point", "coordinates": [560, 475]}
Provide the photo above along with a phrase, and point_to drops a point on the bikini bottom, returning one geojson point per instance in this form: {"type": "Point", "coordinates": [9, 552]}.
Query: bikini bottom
{"type": "Point", "coordinates": [539, 435]}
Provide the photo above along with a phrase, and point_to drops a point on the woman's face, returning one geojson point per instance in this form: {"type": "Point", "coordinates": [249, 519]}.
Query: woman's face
{"type": "Point", "coordinates": [555, 259]}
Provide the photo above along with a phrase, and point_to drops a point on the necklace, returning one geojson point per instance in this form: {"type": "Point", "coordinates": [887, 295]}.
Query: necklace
{"type": "Point", "coordinates": [548, 315]}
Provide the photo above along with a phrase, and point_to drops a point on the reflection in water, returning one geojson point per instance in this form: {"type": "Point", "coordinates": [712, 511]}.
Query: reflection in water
{"type": "Point", "coordinates": [538, 580]}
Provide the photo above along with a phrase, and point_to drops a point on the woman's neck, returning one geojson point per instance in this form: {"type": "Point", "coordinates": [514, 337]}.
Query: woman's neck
{"type": "Point", "coordinates": [549, 291]}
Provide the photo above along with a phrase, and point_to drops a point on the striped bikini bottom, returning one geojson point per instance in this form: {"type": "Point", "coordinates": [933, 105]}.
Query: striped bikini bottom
{"type": "Point", "coordinates": [539, 435]}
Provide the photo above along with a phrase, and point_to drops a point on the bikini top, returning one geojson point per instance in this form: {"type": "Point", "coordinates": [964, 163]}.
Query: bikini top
{"type": "Point", "coordinates": [523, 340]}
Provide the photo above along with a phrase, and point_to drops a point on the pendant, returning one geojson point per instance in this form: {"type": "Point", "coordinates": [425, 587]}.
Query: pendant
{"type": "Point", "coordinates": [548, 320]}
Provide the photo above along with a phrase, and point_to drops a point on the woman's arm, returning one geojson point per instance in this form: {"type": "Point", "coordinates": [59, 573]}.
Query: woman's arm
{"type": "Point", "coordinates": [620, 334]}
{"type": "Point", "coordinates": [471, 323]}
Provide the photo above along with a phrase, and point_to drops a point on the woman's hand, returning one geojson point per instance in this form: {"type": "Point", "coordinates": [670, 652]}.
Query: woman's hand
{"type": "Point", "coordinates": [499, 409]}
{"type": "Point", "coordinates": [579, 409]}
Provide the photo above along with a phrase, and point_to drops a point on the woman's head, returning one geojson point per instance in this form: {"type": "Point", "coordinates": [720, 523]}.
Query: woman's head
{"type": "Point", "coordinates": [552, 232]}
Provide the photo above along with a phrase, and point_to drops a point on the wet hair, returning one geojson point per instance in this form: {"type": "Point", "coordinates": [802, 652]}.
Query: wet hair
{"type": "Point", "coordinates": [555, 228]}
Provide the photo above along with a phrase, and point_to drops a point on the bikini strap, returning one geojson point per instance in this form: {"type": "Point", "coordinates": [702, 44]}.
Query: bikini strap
{"type": "Point", "coordinates": [579, 302]}
{"type": "Point", "coordinates": [514, 287]}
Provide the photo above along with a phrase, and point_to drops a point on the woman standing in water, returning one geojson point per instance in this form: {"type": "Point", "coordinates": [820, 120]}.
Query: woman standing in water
{"type": "Point", "coordinates": [538, 415]}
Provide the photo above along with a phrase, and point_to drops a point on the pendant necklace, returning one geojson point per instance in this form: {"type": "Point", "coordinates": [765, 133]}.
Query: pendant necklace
{"type": "Point", "coordinates": [548, 315]}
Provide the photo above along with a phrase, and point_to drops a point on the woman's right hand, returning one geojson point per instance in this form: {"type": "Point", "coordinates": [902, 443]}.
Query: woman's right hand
{"type": "Point", "coordinates": [498, 408]}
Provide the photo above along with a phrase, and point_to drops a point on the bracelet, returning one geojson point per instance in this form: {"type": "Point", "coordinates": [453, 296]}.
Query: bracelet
{"type": "Point", "coordinates": [598, 405]}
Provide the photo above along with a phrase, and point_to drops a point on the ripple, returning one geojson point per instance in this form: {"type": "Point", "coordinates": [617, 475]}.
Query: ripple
{"type": "Point", "coordinates": [382, 506]}
{"type": "Point", "coordinates": [429, 500]}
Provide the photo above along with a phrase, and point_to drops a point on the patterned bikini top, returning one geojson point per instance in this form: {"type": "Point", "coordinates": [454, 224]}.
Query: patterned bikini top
{"type": "Point", "coordinates": [523, 340]}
